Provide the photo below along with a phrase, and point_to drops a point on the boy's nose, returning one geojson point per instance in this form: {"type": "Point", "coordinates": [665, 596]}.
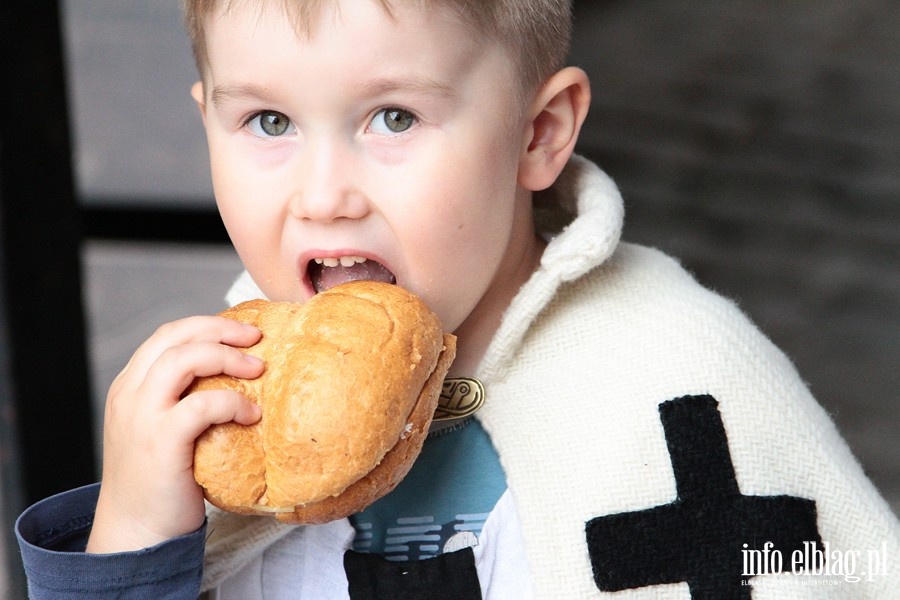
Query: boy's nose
{"type": "Point", "coordinates": [327, 187]}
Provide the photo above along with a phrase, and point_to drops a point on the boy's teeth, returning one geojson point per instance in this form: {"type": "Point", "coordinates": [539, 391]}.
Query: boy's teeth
{"type": "Point", "coordinates": [352, 268]}
{"type": "Point", "coordinates": [344, 261]}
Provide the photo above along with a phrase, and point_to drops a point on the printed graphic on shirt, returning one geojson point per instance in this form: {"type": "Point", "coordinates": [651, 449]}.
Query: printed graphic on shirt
{"type": "Point", "coordinates": [441, 505]}
{"type": "Point", "coordinates": [419, 538]}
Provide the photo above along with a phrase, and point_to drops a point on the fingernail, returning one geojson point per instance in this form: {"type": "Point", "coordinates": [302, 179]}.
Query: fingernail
{"type": "Point", "coordinates": [253, 360]}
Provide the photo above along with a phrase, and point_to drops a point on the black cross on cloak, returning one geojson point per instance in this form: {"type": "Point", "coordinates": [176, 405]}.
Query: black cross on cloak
{"type": "Point", "coordinates": [700, 536]}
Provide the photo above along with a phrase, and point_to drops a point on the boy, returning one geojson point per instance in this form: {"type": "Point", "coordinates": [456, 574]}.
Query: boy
{"type": "Point", "coordinates": [638, 433]}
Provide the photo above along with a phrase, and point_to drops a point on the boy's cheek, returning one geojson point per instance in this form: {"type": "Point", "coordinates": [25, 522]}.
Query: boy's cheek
{"type": "Point", "coordinates": [243, 151]}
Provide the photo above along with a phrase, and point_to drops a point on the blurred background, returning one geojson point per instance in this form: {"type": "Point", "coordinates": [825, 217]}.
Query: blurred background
{"type": "Point", "coordinates": [758, 141]}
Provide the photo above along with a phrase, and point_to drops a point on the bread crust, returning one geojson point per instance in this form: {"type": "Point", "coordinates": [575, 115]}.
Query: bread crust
{"type": "Point", "coordinates": [351, 382]}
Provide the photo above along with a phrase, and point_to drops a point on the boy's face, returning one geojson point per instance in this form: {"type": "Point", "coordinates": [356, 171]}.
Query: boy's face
{"type": "Point", "coordinates": [390, 138]}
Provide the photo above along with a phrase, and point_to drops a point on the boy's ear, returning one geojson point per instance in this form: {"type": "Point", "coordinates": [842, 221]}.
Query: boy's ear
{"type": "Point", "coordinates": [197, 95]}
{"type": "Point", "coordinates": [555, 118]}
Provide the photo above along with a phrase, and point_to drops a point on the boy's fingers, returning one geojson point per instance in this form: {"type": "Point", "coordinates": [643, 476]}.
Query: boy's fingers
{"type": "Point", "coordinates": [177, 367]}
{"type": "Point", "coordinates": [191, 329]}
{"type": "Point", "coordinates": [196, 412]}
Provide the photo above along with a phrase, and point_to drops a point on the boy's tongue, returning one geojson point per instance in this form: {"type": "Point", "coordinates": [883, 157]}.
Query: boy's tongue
{"type": "Point", "coordinates": [324, 278]}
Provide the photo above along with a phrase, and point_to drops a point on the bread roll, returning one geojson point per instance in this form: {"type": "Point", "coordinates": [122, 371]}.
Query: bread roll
{"type": "Point", "coordinates": [351, 383]}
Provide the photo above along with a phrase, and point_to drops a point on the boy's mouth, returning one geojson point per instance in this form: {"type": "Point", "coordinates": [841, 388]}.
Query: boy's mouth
{"type": "Point", "coordinates": [325, 273]}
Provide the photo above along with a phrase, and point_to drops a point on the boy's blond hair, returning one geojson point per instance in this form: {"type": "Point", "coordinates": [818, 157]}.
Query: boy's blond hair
{"type": "Point", "coordinates": [536, 33]}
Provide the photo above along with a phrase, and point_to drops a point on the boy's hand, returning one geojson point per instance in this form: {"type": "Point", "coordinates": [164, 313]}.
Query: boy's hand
{"type": "Point", "coordinates": [148, 493]}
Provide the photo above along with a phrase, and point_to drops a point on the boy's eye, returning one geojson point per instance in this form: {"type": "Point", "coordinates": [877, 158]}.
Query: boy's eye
{"type": "Point", "coordinates": [392, 120]}
{"type": "Point", "coordinates": [270, 123]}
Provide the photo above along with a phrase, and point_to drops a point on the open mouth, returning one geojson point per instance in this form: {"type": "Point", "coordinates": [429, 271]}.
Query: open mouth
{"type": "Point", "coordinates": [325, 273]}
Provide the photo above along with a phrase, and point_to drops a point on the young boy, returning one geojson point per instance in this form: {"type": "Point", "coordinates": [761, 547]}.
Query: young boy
{"type": "Point", "coordinates": [638, 434]}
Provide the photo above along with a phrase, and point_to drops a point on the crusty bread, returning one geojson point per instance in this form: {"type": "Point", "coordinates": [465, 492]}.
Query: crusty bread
{"type": "Point", "coordinates": [351, 382]}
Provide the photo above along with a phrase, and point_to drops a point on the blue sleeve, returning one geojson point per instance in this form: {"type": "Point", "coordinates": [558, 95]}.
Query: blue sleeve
{"type": "Point", "coordinates": [52, 537]}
